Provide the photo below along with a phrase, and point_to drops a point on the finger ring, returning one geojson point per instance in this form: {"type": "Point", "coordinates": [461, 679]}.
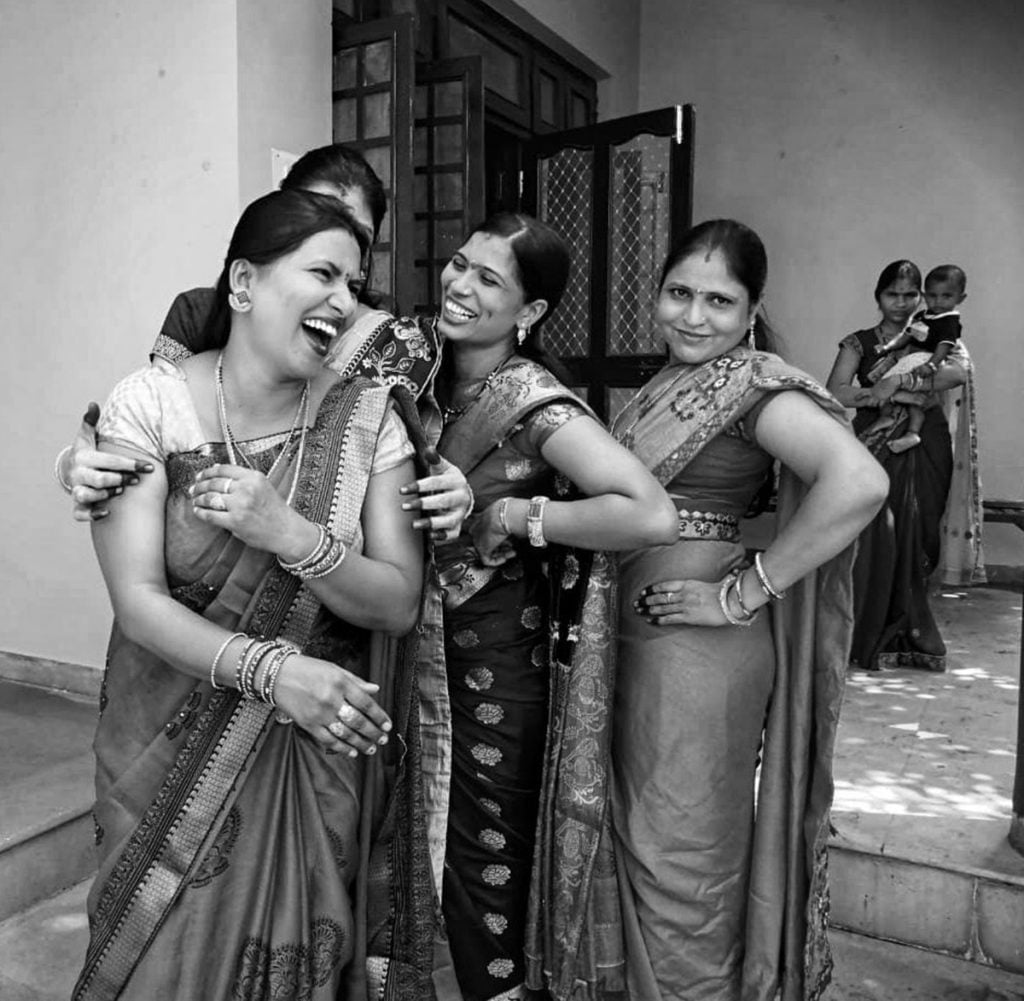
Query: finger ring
{"type": "Point", "coordinates": [337, 728]}
{"type": "Point", "coordinates": [218, 503]}
{"type": "Point", "coordinates": [348, 714]}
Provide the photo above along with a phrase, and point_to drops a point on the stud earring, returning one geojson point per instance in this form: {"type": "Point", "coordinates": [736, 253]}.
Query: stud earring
{"type": "Point", "coordinates": [239, 301]}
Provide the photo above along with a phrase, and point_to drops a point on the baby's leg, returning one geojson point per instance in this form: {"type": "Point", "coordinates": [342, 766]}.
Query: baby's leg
{"type": "Point", "coordinates": [912, 436]}
{"type": "Point", "coordinates": [886, 418]}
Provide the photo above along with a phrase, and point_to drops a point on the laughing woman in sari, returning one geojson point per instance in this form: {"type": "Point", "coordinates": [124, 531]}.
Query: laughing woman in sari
{"type": "Point", "coordinates": [900, 549]}
{"type": "Point", "coordinates": [252, 574]}
{"type": "Point", "coordinates": [723, 900]}
{"type": "Point", "coordinates": [513, 699]}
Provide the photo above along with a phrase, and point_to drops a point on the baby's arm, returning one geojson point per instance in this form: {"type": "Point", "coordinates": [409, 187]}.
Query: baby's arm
{"type": "Point", "coordinates": [934, 363]}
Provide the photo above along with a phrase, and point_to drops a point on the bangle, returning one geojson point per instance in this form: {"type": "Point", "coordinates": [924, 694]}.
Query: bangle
{"type": "Point", "coordinates": [65, 486]}
{"type": "Point", "coordinates": [271, 683]}
{"type": "Point", "coordinates": [729, 582]}
{"type": "Point", "coordinates": [217, 658]}
{"type": "Point", "coordinates": [535, 522]}
{"type": "Point", "coordinates": [273, 665]}
{"type": "Point", "coordinates": [472, 499]}
{"type": "Point", "coordinates": [316, 554]}
{"type": "Point", "coordinates": [503, 515]}
{"type": "Point", "coordinates": [747, 612]}
{"type": "Point", "coordinates": [331, 560]}
{"type": "Point", "coordinates": [765, 581]}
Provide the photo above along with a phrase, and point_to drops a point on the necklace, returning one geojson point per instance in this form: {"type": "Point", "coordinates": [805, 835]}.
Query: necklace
{"type": "Point", "coordinates": [451, 414]}
{"type": "Point", "coordinates": [301, 419]}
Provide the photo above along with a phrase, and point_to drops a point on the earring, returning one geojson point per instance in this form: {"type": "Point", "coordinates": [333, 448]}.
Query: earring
{"type": "Point", "coordinates": [521, 334]}
{"type": "Point", "coordinates": [239, 301]}
{"type": "Point", "coordinates": [750, 331]}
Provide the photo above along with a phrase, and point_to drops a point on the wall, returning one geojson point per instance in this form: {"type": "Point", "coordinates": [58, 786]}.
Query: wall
{"type": "Point", "coordinates": [853, 132]}
{"type": "Point", "coordinates": [124, 157]}
{"type": "Point", "coordinates": [607, 32]}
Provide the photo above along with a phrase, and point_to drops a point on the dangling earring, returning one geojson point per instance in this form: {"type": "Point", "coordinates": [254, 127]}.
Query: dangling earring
{"type": "Point", "coordinates": [521, 334]}
{"type": "Point", "coordinates": [239, 301]}
{"type": "Point", "coordinates": [750, 332]}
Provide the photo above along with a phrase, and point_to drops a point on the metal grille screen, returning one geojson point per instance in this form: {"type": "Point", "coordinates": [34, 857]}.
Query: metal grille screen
{"type": "Point", "coordinates": [639, 242]}
{"type": "Point", "coordinates": [566, 191]}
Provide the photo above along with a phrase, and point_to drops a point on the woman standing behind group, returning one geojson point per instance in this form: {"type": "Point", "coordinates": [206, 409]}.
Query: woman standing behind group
{"type": "Point", "coordinates": [895, 626]}
{"type": "Point", "coordinates": [723, 900]}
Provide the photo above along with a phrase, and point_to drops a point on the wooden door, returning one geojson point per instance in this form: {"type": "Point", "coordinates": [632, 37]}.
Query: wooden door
{"type": "Point", "coordinates": [448, 159]}
{"type": "Point", "coordinates": [372, 112]}
{"type": "Point", "coordinates": [621, 193]}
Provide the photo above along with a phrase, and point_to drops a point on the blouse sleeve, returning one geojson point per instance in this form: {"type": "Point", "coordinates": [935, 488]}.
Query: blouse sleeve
{"type": "Point", "coordinates": [182, 330]}
{"type": "Point", "coordinates": [393, 444]}
{"type": "Point", "coordinates": [543, 422]}
{"type": "Point", "coordinates": [150, 412]}
{"type": "Point", "coordinates": [852, 341]}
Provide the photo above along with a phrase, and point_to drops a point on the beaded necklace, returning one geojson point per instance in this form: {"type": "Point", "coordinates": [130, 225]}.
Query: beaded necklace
{"type": "Point", "coordinates": [451, 414]}
{"type": "Point", "coordinates": [301, 419]}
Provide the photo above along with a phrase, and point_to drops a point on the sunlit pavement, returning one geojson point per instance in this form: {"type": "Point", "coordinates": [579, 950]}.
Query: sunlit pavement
{"type": "Point", "coordinates": [924, 770]}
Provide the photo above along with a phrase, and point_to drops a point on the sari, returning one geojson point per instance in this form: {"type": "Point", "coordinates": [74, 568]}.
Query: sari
{"type": "Point", "coordinates": [724, 889]}
{"type": "Point", "coordinates": [916, 532]}
{"type": "Point", "coordinates": [529, 702]}
{"type": "Point", "coordinates": [237, 858]}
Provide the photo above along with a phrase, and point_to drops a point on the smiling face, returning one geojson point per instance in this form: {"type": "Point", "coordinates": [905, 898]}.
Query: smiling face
{"type": "Point", "coordinates": [301, 301]}
{"type": "Point", "coordinates": [898, 301]}
{"type": "Point", "coordinates": [702, 311]}
{"type": "Point", "coordinates": [482, 299]}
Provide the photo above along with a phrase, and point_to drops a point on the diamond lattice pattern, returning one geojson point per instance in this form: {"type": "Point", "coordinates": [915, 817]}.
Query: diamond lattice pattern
{"type": "Point", "coordinates": [566, 199]}
{"type": "Point", "coordinates": [639, 242]}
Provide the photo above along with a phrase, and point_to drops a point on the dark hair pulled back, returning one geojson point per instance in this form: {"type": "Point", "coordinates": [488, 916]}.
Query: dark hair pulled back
{"type": "Point", "coordinates": [745, 257]}
{"type": "Point", "coordinates": [271, 228]}
{"type": "Point", "coordinates": [542, 269]}
{"type": "Point", "coordinates": [896, 270]}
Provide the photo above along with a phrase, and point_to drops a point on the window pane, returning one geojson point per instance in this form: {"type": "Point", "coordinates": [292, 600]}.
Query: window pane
{"type": "Point", "coordinates": [448, 144]}
{"type": "Point", "coordinates": [419, 146]}
{"type": "Point", "coordinates": [344, 120]}
{"type": "Point", "coordinates": [448, 192]}
{"type": "Point", "coordinates": [548, 90]}
{"type": "Point", "coordinates": [420, 232]}
{"type": "Point", "coordinates": [448, 237]}
{"type": "Point", "coordinates": [344, 74]}
{"type": "Point", "coordinates": [377, 62]}
{"type": "Point", "coordinates": [377, 115]}
{"type": "Point", "coordinates": [448, 98]}
{"type": "Point", "coordinates": [580, 112]}
{"type": "Point", "coordinates": [501, 67]}
{"type": "Point", "coordinates": [381, 271]}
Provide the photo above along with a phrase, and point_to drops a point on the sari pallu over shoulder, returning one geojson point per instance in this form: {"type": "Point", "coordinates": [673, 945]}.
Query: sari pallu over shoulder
{"type": "Point", "coordinates": [666, 425]}
{"type": "Point", "coordinates": [181, 840]}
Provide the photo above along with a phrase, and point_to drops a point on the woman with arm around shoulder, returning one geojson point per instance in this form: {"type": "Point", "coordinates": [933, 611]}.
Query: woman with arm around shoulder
{"type": "Point", "coordinates": [246, 572]}
{"type": "Point", "coordinates": [894, 625]}
{"type": "Point", "coordinates": [710, 911]}
{"type": "Point", "coordinates": [513, 428]}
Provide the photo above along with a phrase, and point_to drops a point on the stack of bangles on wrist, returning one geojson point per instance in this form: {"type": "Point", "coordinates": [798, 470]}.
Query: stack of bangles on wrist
{"type": "Point", "coordinates": [732, 585]}
{"type": "Point", "coordinates": [327, 555]}
{"type": "Point", "coordinates": [256, 656]}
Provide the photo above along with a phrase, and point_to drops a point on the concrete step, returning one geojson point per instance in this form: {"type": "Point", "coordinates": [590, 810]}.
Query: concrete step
{"type": "Point", "coordinates": [924, 771]}
{"type": "Point", "coordinates": [46, 792]}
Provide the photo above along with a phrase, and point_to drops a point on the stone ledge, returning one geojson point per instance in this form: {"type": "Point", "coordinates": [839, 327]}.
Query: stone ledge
{"type": "Point", "coordinates": [58, 675]}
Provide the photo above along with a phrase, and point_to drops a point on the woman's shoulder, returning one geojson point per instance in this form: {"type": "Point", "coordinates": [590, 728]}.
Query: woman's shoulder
{"type": "Point", "coordinates": [860, 340]}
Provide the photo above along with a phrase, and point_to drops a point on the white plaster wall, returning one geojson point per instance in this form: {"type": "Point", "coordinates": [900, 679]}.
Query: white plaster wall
{"type": "Point", "coordinates": [853, 132]}
{"type": "Point", "coordinates": [284, 84]}
{"type": "Point", "coordinates": [131, 133]}
{"type": "Point", "coordinates": [608, 32]}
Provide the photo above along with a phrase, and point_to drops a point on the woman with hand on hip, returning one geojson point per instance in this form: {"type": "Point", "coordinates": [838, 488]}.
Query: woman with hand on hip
{"type": "Point", "coordinates": [724, 665]}
{"type": "Point", "coordinates": [251, 575]}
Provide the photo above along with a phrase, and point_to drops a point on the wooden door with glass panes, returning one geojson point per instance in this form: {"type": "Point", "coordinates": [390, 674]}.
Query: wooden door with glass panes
{"type": "Point", "coordinates": [373, 70]}
{"type": "Point", "coordinates": [621, 193]}
{"type": "Point", "coordinates": [448, 159]}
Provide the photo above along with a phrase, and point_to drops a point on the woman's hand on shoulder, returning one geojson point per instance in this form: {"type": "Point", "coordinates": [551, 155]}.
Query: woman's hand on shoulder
{"type": "Point", "coordinates": [245, 503]}
{"type": "Point", "coordinates": [332, 705]}
{"type": "Point", "coordinates": [443, 499]}
{"type": "Point", "coordinates": [96, 477]}
{"type": "Point", "coordinates": [680, 603]}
